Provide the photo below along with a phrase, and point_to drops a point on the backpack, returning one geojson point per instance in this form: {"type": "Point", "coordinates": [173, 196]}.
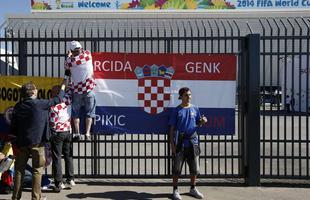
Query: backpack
{"type": "Point", "coordinates": [6, 182]}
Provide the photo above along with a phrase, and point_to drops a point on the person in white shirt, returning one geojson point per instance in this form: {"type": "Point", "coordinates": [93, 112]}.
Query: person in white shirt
{"type": "Point", "coordinates": [79, 62]}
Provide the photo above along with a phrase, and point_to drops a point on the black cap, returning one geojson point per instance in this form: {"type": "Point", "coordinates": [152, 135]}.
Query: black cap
{"type": "Point", "coordinates": [182, 91]}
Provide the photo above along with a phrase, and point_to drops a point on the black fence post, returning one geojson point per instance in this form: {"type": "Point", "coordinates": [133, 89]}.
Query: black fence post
{"type": "Point", "coordinates": [22, 57]}
{"type": "Point", "coordinates": [251, 108]}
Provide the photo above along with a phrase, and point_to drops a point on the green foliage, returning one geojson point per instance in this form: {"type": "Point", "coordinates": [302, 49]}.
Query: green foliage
{"type": "Point", "coordinates": [174, 4]}
{"type": "Point", "coordinates": [39, 6]}
{"type": "Point", "coordinates": [145, 3]}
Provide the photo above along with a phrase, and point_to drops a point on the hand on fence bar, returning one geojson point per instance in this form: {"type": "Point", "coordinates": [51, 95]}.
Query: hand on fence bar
{"type": "Point", "coordinates": [69, 53]}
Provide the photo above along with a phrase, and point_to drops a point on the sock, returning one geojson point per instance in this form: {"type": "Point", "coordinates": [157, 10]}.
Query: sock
{"type": "Point", "coordinates": [175, 187]}
{"type": "Point", "coordinates": [193, 186]}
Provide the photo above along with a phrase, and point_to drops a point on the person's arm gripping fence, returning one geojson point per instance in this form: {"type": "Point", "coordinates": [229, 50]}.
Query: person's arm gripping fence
{"type": "Point", "coordinates": [46, 104]}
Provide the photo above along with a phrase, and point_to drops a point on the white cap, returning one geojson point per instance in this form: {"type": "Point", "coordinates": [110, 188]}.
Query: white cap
{"type": "Point", "coordinates": [74, 45]}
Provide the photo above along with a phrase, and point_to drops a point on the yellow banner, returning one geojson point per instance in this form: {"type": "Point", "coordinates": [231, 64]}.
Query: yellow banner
{"type": "Point", "coordinates": [9, 86]}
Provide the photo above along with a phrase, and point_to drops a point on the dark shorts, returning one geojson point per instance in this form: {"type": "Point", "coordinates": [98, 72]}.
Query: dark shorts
{"type": "Point", "coordinates": [188, 156]}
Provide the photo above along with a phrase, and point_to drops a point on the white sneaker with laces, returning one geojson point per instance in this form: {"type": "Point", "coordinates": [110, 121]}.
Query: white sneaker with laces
{"type": "Point", "coordinates": [195, 193]}
{"type": "Point", "coordinates": [176, 195]}
{"type": "Point", "coordinates": [70, 183]}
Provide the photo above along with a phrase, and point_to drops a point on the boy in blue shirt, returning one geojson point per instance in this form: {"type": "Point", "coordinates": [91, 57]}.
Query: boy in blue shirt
{"type": "Point", "coordinates": [184, 140]}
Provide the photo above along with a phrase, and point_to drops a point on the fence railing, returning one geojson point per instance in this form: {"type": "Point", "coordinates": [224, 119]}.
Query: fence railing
{"type": "Point", "coordinates": [284, 70]}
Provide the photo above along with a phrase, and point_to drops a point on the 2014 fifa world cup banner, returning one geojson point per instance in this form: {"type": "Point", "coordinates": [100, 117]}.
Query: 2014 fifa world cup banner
{"type": "Point", "coordinates": [166, 5]}
{"type": "Point", "coordinates": [136, 93]}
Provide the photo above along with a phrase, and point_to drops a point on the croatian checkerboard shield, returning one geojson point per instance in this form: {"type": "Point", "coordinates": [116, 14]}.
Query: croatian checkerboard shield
{"type": "Point", "coordinates": [154, 87]}
{"type": "Point", "coordinates": [154, 94]}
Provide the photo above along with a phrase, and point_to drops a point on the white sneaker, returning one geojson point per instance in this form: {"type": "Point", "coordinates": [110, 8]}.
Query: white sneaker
{"type": "Point", "coordinates": [70, 183]}
{"type": "Point", "coordinates": [176, 195]}
{"type": "Point", "coordinates": [195, 193]}
{"type": "Point", "coordinates": [76, 137]}
{"type": "Point", "coordinates": [59, 187]}
{"type": "Point", "coordinates": [62, 186]}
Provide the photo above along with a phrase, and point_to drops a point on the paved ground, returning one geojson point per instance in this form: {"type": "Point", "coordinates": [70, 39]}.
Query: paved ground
{"type": "Point", "coordinates": [123, 189]}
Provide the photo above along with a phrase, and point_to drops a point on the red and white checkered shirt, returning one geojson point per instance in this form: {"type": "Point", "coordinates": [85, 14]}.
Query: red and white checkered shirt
{"type": "Point", "coordinates": [82, 72]}
{"type": "Point", "coordinates": [84, 87]}
{"type": "Point", "coordinates": [60, 115]}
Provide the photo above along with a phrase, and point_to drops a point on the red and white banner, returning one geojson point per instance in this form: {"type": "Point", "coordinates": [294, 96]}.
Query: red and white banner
{"type": "Point", "coordinates": [135, 92]}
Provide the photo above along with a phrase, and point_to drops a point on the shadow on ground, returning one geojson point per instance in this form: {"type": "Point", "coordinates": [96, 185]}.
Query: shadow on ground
{"type": "Point", "coordinates": [201, 182]}
{"type": "Point", "coordinates": [165, 182]}
{"type": "Point", "coordinates": [286, 185]}
{"type": "Point", "coordinates": [118, 195]}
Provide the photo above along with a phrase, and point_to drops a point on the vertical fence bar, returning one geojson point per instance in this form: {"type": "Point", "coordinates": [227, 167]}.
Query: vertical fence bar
{"type": "Point", "coordinates": [292, 96]}
{"type": "Point", "coordinates": [39, 51]}
{"type": "Point", "coordinates": [205, 136]}
{"type": "Point", "coordinates": [59, 52]}
{"type": "Point", "coordinates": [105, 154]}
{"type": "Point", "coordinates": [22, 61]}
{"type": "Point", "coordinates": [231, 137]}
{"type": "Point", "coordinates": [212, 137]}
{"type": "Point", "coordinates": [225, 137]}
{"type": "Point", "coordinates": [277, 98]}
{"type": "Point", "coordinates": [218, 137]}
{"type": "Point", "coordinates": [94, 142]}
{"type": "Point", "coordinates": [284, 96]}
{"type": "Point", "coordinates": [118, 154]}
{"type": "Point", "coordinates": [6, 51]}
{"type": "Point", "coordinates": [299, 98]}
{"type": "Point", "coordinates": [251, 108]}
{"type": "Point", "coordinates": [307, 96]}
{"type": "Point", "coordinates": [241, 160]}
{"type": "Point", "coordinates": [12, 55]}
{"type": "Point", "coordinates": [45, 51]}
{"type": "Point", "coordinates": [271, 97]}
{"type": "Point", "coordinates": [263, 95]}
{"type": "Point", "coordinates": [132, 156]}
{"type": "Point", "coordinates": [52, 52]}
{"type": "Point", "coordinates": [125, 135]}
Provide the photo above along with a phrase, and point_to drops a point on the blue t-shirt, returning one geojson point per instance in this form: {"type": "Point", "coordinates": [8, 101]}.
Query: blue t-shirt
{"type": "Point", "coordinates": [185, 120]}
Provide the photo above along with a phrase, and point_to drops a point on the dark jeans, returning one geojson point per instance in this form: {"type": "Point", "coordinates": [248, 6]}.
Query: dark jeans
{"type": "Point", "coordinates": [61, 144]}
{"type": "Point", "coordinates": [185, 155]}
{"type": "Point", "coordinates": [287, 108]}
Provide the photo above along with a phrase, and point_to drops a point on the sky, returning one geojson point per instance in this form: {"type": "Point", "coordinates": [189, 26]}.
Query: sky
{"type": "Point", "coordinates": [13, 7]}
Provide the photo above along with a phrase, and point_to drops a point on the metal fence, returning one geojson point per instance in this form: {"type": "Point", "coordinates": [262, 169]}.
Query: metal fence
{"type": "Point", "coordinates": [285, 134]}
{"type": "Point", "coordinates": [284, 138]}
{"type": "Point", "coordinates": [131, 155]}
